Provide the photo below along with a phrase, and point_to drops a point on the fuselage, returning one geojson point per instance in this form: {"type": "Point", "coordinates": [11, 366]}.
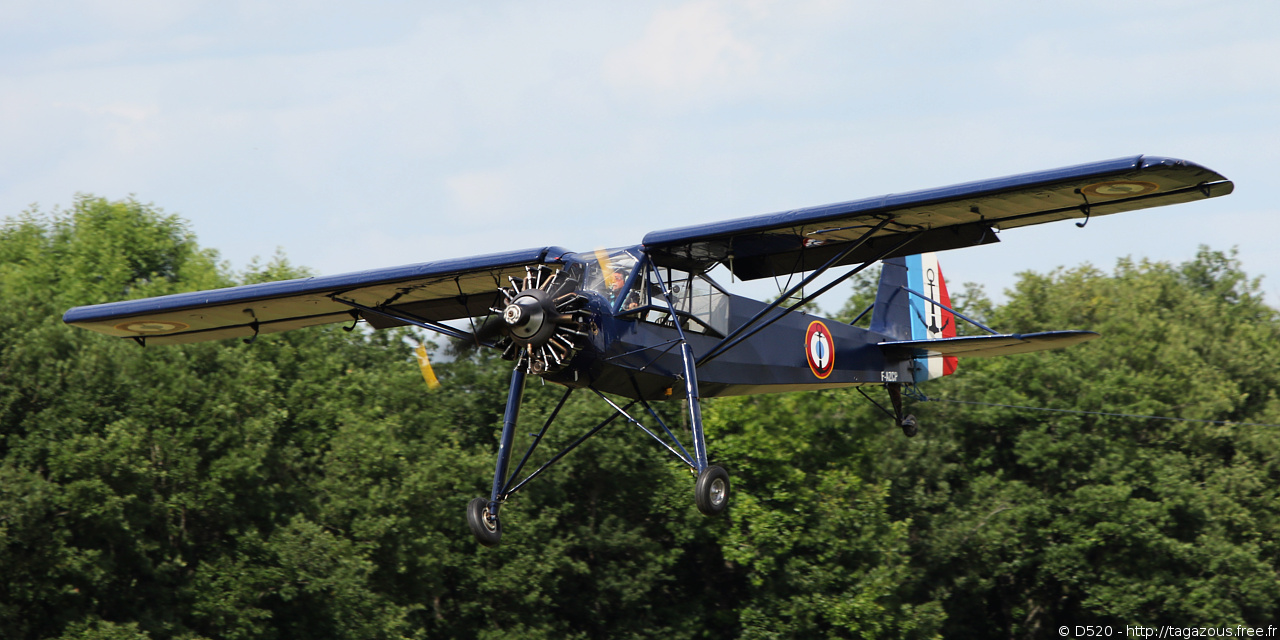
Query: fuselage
{"type": "Point", "coordinates": [633, 344]}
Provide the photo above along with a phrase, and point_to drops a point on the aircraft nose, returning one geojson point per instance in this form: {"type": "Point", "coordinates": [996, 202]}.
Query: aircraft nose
{"type": "Point", "coordinates": [524, 315]}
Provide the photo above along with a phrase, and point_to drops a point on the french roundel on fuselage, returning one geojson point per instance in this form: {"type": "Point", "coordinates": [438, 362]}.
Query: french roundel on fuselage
{"type": "Point", "coordinates": [819, 349]}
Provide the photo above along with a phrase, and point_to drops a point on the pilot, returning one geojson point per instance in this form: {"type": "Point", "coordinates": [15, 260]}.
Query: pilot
{"type": "Point", "coordinates": [616, 282]}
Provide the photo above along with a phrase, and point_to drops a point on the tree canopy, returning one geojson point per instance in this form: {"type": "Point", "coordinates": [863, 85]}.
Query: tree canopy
{"type": "Point", "coordinates": [309, 485]}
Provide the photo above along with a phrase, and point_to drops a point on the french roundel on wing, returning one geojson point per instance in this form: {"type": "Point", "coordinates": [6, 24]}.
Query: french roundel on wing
{"type": "Point", "coordinates": [820, 349]}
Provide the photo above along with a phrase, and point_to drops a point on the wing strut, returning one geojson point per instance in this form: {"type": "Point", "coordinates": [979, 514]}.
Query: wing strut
{"type": "Point", "coordinates": [747, 329]}
{"type": "Point", "coordinates": [724, 344]}
{"type": "Point", "coordinates": [412, 319]}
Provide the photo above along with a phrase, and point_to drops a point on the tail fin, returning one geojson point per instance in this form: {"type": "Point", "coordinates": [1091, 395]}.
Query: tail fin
{"type": "Point", "coordinates": [906, 316]}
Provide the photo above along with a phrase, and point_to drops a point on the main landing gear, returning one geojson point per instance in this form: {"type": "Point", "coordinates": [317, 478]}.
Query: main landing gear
{"type": "Point", "coordinates": [711, 490]}
{"type": "Point", "coordinates": [534, 320]}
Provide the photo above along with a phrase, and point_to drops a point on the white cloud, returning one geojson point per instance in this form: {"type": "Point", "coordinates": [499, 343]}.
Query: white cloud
{"type": "Point", "coordinates": [329, 130]}
{"type": "Point", "coordinates": [1054, 69]}
{"type": "Point", "coordinates": [685, 52]}
{"type": "Point", "coordinates": [480, 192]}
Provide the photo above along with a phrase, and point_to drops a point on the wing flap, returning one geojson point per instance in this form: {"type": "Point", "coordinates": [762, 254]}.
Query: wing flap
{"type": "Point", "coordinates": [988, 346]}
{"type": "Point", "coordinates": [440, 290]}
{"type": "Point", "coordinates": [242, 330]}
{"type": "Point", "coordinates": [933, 219]}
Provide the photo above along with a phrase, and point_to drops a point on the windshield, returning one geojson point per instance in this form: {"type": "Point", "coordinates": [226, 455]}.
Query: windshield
{"type": "Point", "coordinates": [701, 304]}
{"type": "Point", "coordinates": [607, 274]}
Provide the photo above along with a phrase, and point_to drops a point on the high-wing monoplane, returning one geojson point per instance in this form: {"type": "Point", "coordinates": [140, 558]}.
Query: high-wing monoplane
{"type": "Point", "coordinates": [646, 323]}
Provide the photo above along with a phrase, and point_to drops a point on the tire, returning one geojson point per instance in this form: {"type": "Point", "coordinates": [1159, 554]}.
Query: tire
{"type": "Point", "coordinates": [711, 493]}
{"type": "Point", "coordinates": [909, 426]}
{"type": "Point", "coordinates": [487, 530]}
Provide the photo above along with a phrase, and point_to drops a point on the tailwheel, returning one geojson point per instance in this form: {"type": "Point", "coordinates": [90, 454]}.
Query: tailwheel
{"type": "Point", "coordinates": [711, 493]}
{"type": "Point", "coordinates": [905, 420]}
{"type": "Point", "coordinates": [909, 426]}
{"type": "Point", "coordinates": [484, 523]}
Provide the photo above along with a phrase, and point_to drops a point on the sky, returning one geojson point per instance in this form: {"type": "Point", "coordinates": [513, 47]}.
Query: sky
{"type": "Point", "coordinates": [361, 135]}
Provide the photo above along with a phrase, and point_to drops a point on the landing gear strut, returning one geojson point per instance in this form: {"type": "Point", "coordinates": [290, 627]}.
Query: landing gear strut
{"type": "Point", "coordinates": [482, 515]}
{"type": "Point", "coordinates": [908, 422]}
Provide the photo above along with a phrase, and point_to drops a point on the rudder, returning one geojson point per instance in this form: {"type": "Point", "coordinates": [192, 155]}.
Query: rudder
{"type": "Point", "coordinates": [906, 316]}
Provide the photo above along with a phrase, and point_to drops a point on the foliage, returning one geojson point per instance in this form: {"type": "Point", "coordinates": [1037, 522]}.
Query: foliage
{"type": "Point", "coordinates": [309, 486]}
{"type": "Point", "coordinates": [1029, 520]}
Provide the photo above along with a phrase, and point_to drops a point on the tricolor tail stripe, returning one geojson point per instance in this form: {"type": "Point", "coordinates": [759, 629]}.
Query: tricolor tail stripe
{"type": "Point", "coordinates": [930, 321]}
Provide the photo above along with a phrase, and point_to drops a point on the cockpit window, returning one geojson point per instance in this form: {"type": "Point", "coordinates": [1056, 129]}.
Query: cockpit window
{"type": "Point", "coordinates": [607, 274]}
{"type": "Point", "coordinates": [702, 306]}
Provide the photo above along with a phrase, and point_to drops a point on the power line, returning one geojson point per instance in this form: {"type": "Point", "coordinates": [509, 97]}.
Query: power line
{"type": "Point", "coordinates": [1101, 413]}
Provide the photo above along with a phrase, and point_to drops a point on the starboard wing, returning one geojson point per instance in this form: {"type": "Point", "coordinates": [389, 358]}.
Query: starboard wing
{"type": "Point", "coordinates": [935, 219]}
{"type": "Point", "coordinates": [434, 291]}
{"type": "Point", "coordinates": [987, 346]}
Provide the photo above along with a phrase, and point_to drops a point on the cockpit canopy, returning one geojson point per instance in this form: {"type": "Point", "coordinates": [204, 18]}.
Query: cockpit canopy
{"type": "Point", "coordinates": [635, 292]}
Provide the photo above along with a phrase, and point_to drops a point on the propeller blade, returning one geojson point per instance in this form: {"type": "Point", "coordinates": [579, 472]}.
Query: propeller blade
{"type": "Point", "coordinates": [606, 265]}
{"type": "Point", "coordinates": [424, 363]}
{"type": "Point", "coordinates": [490, 330]}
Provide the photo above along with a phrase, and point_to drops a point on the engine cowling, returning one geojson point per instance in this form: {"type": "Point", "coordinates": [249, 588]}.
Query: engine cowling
{"type": "Point", "coordinates": [543, 322]}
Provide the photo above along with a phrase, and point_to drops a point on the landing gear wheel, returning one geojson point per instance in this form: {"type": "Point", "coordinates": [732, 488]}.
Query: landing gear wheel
{"type": "Point", "coordinates": [711, 493]}
{"type": "Point", "coordinates": [485, 525]}
{"type": "Point", "coordinates": [909, 426]}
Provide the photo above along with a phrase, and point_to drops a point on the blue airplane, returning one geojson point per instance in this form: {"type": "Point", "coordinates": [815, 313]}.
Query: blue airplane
{"type": "Point", "coordinates": [646, 323]}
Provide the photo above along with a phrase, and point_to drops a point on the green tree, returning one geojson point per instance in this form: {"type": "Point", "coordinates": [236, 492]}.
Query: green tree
{"type": "Point", "coordinates": [308, 486]}
{"type": "Point", "coordinates": [811, 535]}
{"type": "Point", "coordinates": [1027, 520]}
{"type": "Point", "coordinates": [130, 475]}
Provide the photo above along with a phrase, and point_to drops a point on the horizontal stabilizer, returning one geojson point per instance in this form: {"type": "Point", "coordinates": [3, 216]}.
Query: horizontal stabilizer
{"type": "Point", "coordinates": [987, 346]}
